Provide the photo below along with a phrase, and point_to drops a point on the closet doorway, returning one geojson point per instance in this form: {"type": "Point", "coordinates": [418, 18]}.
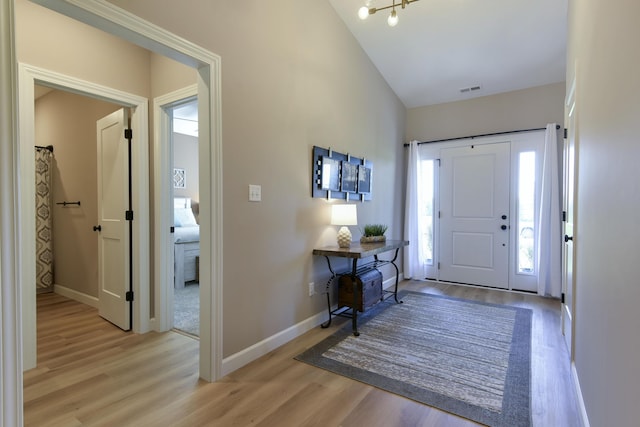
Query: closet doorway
{"type": "Point", "coordinates": [88, 237]}
{"type": "Point", "coordinates": [66, 122]}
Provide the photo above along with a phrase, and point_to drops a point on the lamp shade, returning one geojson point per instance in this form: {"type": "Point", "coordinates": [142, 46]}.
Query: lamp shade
{"type": "Point", "coordinates": [344, 215]}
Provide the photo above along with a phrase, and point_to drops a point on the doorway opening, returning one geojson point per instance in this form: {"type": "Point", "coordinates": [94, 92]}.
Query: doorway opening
{"type": "Point", "coordinates": [29, 77]}
{"type": "Point", "coordinates": [183, 140]}
{"type": "Point", "coordinates": [66, 122]}
{"type": "Point", "coordinates": [115, 21]}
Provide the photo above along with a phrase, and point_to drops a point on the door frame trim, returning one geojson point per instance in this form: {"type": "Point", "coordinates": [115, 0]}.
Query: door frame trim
{"type": "Point", "coordinates": [162, 164]}
{"type": "Point", "coordinates": [11, 365]}
{"type": "Point", "coordinates": [28, 75]}
{"type": "Point", "coordinates": [116, 21]}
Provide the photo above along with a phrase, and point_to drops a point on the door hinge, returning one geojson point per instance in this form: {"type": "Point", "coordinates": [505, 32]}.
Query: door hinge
{"type": "Point", "coordinates": [172, 229]}
{"type": "Point", "coordinates": [562, 298]}
{"type": "Point", "coordinates": [564, 216]}
{"type": "Point", "coordinates": [128, 296]}
{"type": "Point", "coordinates": [128, 215]}
{"type": "Point", "coordinates": [566, 132]}
{"type": "Point", "coordinates": [128, 134]}
{"type": "Point", "coordinates": [439, 214]}
{"type": "Point", "coordinates": [438, 266]}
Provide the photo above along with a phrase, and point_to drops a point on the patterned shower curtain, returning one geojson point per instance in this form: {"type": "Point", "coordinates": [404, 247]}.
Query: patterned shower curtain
{"type": "Point", "coordinates": [44, 241]}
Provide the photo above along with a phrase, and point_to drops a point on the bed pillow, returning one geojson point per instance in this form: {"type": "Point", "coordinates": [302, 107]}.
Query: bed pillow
{"type": "Point", "coordinates": [184, 218]}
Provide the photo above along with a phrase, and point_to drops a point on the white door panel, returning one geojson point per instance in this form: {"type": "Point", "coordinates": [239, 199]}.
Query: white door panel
{"type": "Point", "coordinates": [568, 252]}
{"type": "Point", "coordinates": [474, 218]}
{"type": "Point", "coordinates": [113, 192]}
{"type": "Point", "coordinates": [468, 249]}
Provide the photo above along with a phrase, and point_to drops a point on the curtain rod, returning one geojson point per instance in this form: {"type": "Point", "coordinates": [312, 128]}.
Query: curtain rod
{"type": "Point", "coordinates": [479, 136]}
{"type": "Point", "coordinates": [48, 147]}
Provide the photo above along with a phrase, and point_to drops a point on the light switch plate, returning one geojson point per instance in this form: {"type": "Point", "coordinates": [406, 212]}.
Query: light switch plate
{"type": "Point", "coordinates": [255, 193]}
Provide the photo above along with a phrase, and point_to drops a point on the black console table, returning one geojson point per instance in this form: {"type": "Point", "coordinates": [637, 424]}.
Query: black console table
{"type": "Point", "coordinates": [359, 251]}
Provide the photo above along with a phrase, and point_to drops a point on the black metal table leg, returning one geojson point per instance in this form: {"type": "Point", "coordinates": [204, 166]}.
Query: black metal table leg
{"type": "Point", "coordinates": [328, 292]}
{"type": "Point", "coordinates": [328, 322]}
{"type": "Point", "coordinates": [392, 262]}
{"type": "Point", "coordinates": [354, 309]}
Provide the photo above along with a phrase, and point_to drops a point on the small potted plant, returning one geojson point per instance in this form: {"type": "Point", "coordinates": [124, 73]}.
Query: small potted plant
{"type": "Point", "coordinates": [373, 233]}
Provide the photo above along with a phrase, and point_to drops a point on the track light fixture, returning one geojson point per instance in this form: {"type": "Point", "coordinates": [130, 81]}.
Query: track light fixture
{"type": "Point", "coordinates": [392, 20]}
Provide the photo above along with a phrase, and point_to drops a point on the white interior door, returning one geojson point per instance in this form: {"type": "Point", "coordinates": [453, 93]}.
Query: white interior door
{"type": "Point", "coordinates": [568, 258]}
{"type": "Point", "coordinates": [474, 214]}
{"type": "Point", "coordinates": [113, 194]}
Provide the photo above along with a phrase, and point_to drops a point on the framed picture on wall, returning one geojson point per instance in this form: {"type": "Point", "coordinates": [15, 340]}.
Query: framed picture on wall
{"type": "Point", "coordinates": [364, 179]}
{"type": "Point", "coordinates": [349, 182]}
{"type": "Point", "coordinates": [179, 178]}
{"type": "Point", "coordinates": [330, 174]}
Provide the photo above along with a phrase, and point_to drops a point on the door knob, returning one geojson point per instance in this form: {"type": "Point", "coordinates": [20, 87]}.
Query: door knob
{"type": "Point", "coordinates": [97, 228]}
{"type": "Point", "coordinates": [503, 227]}
{"type": "Point", "coordinates": [567, 238]}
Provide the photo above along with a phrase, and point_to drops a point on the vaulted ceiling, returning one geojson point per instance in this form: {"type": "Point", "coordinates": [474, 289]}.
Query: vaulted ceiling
{"type": "Point", "coordinates": [442, 50]}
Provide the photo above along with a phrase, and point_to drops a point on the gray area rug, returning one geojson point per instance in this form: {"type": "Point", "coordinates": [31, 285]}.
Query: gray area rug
{"type": "Point", "coordinates": [468, 358]}
{"type": "Point", "coordinates": [186, 309]}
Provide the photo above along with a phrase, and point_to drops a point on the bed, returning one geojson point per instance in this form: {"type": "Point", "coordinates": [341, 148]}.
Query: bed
{"type": "Point", "coordinates": [186, 247]}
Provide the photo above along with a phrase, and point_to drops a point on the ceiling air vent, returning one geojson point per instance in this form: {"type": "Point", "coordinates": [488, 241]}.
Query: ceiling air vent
{"type": "Point", "coordinates": [470, 89]}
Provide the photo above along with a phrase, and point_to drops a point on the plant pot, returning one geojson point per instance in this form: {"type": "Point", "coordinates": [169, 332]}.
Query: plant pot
{"type": "Point", "coordinates": [372, 239]}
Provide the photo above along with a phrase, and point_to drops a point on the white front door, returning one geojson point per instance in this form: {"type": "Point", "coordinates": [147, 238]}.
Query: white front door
{"type": "Point", "coordinates": [474, 214]}
{"type": "Point", "coordinates": [113, 195]}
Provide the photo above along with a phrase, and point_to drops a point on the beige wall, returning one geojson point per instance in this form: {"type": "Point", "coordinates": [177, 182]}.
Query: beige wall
{"type": "Point", "coordinates": [523, 109]}
{"type": "Point", "coordinates": [293, 77]}
{"type": "Point", "coordinates": [55, 42]}
{"type": "Point", "coordinates": [604, 57]}
{"type": "Point", "coordinates": [68, 122]}
{"type": "Point", "coordinates": [168, 75]}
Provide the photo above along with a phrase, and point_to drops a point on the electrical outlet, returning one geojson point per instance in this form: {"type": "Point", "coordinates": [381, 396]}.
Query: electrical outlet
{"type": "Point", "coordinates": [312, 289]}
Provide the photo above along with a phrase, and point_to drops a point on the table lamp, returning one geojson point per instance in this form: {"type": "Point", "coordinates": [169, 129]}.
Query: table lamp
{"type": "Point", "coordinates": [344, 215]}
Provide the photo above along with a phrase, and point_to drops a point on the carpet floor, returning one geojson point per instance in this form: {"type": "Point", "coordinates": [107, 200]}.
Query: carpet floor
{"type": "Point", "coordinates": [186, 309]}
{"type": "Point", "coordinates": [468, 358]}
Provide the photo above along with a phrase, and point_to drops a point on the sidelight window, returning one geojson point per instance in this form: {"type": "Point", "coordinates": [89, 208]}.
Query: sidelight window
{"type": "Point", "coordinates": [526, 224]}
{"type": "Point", "coordinates": [426, 183]}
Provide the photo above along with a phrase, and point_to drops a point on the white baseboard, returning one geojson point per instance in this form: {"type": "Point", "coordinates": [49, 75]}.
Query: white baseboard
{"type": "Point", "coordinates": [75, 295]}
{"type": "Point", "coordinates": [248, 355]}
{"type": "Point", "coordinates": [390, 282]}
{"type": "Point", "coordinates": [581, 408]}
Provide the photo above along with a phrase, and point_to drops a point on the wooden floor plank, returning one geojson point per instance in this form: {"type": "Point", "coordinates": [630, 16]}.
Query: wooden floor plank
{"type": "Point", "coordinates": [90, 373]}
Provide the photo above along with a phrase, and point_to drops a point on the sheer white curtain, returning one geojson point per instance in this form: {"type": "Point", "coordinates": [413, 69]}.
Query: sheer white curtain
{"type": "Point", "coordinates": [414, 266]}
{"type": "Point", "coordinates": [549, 229]}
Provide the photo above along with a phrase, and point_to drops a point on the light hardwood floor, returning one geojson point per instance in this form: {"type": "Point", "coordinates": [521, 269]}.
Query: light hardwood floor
{"type": "Point", "coordinates": [90, 373]}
